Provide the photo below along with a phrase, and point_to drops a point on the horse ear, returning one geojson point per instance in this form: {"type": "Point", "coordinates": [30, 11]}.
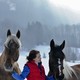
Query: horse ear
{"type": "Point", "coordinates": [18, 34]}
{"type": "Point", "coordinates": [52, 43]}
{"type": "Point", "coordinates": [8, 32]}
{"type": "Point", "coordinates": [62, 45]}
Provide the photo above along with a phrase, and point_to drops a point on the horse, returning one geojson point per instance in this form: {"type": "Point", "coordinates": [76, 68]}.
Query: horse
{"type": "Point", "coordinates": [9, 56]}
{"type": "Point", "coordinates": [58, 66]}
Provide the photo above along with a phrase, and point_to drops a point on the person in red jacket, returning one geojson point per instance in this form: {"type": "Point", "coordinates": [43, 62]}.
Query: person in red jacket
{"type": "Point", "coordinates": [33, 69]}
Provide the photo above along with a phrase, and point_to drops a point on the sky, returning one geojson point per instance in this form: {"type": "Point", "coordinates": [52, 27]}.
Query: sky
{"type": "Point", "coordinates": [10, 3]}
{"type": "Point", "coordinates": [73, 5]}
{"type": "Point", "coordinates": [67, 8]}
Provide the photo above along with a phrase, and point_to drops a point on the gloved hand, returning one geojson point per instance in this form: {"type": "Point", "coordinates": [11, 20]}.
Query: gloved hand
{"type": "Point", "coordinates": [50, 78]}
{"type": "Point", "coordinates": [16, 76]}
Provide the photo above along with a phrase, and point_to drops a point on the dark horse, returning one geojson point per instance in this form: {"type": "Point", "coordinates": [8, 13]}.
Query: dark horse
{"type": "Point", "coordinates": [9, 56]}
{"type": "Point", "coordinates": [58, 67]}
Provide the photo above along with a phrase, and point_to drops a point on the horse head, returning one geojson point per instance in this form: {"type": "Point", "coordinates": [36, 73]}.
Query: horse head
{"type": "Point", "coordinates": [56, 57]}
{"type": "Point", "coordinates": [11, 51]}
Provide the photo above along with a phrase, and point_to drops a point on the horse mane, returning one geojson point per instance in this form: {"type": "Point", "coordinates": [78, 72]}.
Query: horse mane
{"type": "Point", "coordinates": [68, 71]}
{"type": "Point", "coordinates": [13, 37]}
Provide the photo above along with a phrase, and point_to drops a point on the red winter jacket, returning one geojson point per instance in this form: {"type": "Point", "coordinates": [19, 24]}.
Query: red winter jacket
{"type": "Point", "coordinates": [36, 73]}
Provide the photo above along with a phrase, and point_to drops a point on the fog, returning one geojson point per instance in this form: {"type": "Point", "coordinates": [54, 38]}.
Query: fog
{"type": "Point", "coordinates": [21, 12]}
{"type": "Point", "coordinates": [39, 22]}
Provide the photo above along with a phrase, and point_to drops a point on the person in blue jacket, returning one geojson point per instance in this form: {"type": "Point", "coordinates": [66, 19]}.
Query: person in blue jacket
{"type": "Point", "coordinates": [33, 69]}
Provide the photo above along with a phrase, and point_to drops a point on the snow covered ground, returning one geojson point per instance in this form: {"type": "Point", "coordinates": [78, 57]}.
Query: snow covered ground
{"type": "Point", "coordinates": [22, 60]}
{"type": "Point", "coordinates": [43, 49]}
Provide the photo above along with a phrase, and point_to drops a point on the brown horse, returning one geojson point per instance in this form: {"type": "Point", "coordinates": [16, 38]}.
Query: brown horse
{"type": "Point", "coordinates": [58, 67]}
{"type": "Point", "coordinates": [9, 56]}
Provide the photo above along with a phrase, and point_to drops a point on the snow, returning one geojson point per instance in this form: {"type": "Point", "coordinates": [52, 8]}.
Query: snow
{"type": "Point", "coordinates": [43, 49]}
{"type": "Point", "coordinates": [22, 60]}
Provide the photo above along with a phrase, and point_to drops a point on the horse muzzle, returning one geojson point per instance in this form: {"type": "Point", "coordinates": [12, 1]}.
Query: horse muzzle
{"type": "Point", "coordinates": [8, 65]}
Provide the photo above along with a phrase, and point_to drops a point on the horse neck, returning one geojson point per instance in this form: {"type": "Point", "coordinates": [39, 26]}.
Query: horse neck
{"type": "Point", "coordinates": [2, 57]}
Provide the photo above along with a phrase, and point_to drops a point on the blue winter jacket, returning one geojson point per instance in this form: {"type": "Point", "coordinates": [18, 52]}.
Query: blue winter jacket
{"type": "Point", "coordinates": [25, 73]}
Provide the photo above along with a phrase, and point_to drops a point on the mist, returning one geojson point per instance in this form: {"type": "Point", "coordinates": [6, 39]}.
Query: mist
{"type": "Point", "coordinates": [39, 22]}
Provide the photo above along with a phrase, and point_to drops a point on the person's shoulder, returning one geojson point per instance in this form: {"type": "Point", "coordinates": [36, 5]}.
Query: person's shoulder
{"type": "Point", "coordinates": [28, 64]}
{"type": "Point", "coordinates": [26, 68]}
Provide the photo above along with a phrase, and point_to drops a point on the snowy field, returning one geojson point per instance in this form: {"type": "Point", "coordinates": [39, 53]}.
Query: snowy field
{"type": "Point", "coordinates": [22, 60]}
{"type": "Point", "coordinates": [43, 49]}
